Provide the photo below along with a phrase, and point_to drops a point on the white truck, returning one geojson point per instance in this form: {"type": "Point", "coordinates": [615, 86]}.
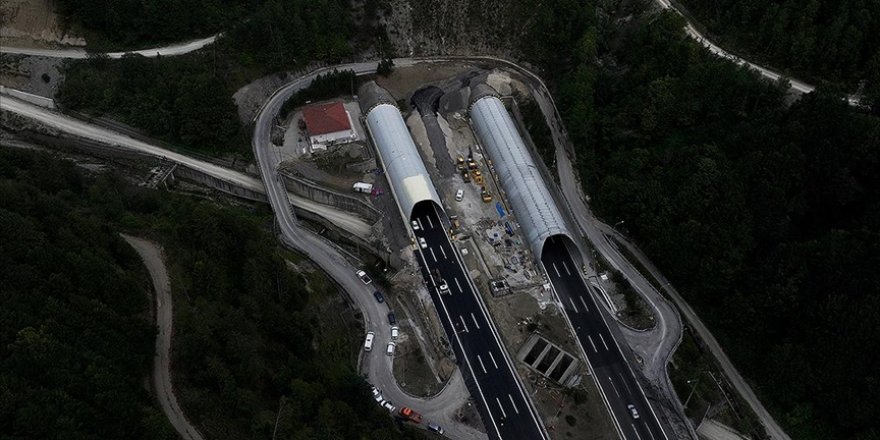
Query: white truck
{"type": "Point", "coordinates": [362, 187]}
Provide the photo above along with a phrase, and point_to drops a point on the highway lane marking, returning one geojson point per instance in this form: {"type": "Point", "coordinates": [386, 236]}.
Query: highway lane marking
{"type": "Point", "coordinates": [503, 412]}
{"type": "Point", "coordinates": [572, 304]}
{"type": "Point", "coordinates": [624, 383]}
{"type": "Point", "coordinates": [481, 363]}
{"type": "Point", "coordinates": [475, 320]}
{"type": "Point", "coordinates": [650, 433]}
{"type": "Point", "coordinates": [636, 431]}
{"type": "Point", "coordinates": [603, 341]}
{"type": "Point", "coordinates": [432, 254]}
{"type": "Point", "coordinates": [419, 221]}
{"type": "Point", "coordinates": [592, 343]}
{"type": "Point", "coordinates": [557, 270]}
{"type": "Point", "coordinates": [430, 223]}
{"type": "Point", "coordinates": [513, 403]}
{"type": "Point", "coordinates": [444, 252]}
{"type": "Point", "coordinates": [457, 284]}
{"type": "Point", "coordinates": [566, 268]}
{"type": "Point", "coordinates": [493, 360]}
{"type": "Point", "coordinates": [613, 386]}
{"type": "Point", "coordinates": [586, 309]}
{"type": "Point", "coordinates": [464, 323]}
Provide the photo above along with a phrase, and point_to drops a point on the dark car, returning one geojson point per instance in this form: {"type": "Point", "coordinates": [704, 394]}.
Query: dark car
{"type": "Point", "coordinates": [391, 318]}
{"type": "Point", "coordinates": [379, 296]}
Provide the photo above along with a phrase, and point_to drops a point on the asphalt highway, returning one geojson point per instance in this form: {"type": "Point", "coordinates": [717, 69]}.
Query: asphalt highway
{"type": "Point", "coordinates": [616, 379]}
{"type": "Point", "coordinates": [506, 411]}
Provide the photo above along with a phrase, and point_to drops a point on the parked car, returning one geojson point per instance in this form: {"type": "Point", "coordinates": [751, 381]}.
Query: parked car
{"type": "Point", "coordinates": [392, 319]}
{"type": "Point", "coordinates": [390, 349]}
{"type": "Point", "coordinates": [633, 411]}
{"type": "Point", "coordinates": [379, 297]}
{"type": "Point", "coordinates": [377, 395]}
{"type": "Point", "coordinates": [433, 427]}
{"type": "Point", "coordinates": [389, 406]}
{"type": "Point", "coordinates": [444, 287]}
{"type": "Point", "coordinates": [368, 343]}
{"type": "Point", "coordinates": [459, 195]}
{"type": "Point", "coordinates": [364, 277]}
{"type": "Point", "coordinates": [415, 225]}
{"type": "Point", "coordinates": [395, 332]}
{"type": "Point", "coordinates": [423, 243]}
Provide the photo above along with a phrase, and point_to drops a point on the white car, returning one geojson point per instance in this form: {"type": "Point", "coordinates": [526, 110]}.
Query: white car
{"type": "Point", "coordinates": [444, 286]}
{"type": "Point", "coordinates": [377, 395]}
{"type": "Point", "coordinates": [633, 411]}
{"type": "Point", "coordinates": [390, 349]}
{"type": "Point", "coordinates": [415, 225]}
{"type": "Point", "coordinates": [423, 243]}
{"type": "Point", "coordinates": [364, 277]}
{"type": "Point", "coordinates": [395, 332]}
{"type": "Point", "coordinates": [368, 343]}
{"type": "Point", "coordinates": [389, 406]}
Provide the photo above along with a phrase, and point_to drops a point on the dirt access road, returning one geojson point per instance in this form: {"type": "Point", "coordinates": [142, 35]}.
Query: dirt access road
{"type": "Point", "coordinates": [151, 253]}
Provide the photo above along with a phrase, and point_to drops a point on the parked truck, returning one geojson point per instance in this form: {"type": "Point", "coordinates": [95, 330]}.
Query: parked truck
{"type": "Point", "coordinates": [362, 187]}
{"type": "Point", "coordinates": [409, 414]}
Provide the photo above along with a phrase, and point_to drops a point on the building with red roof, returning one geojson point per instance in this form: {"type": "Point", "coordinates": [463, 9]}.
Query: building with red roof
{"type": "Point", "coordinates": [328, 124]}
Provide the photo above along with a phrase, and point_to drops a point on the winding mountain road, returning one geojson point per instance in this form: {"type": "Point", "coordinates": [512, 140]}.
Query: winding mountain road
{"type": "Point", "coordinates": [77, 53]}
{"type": "Point", "coordinates": [151, 253]}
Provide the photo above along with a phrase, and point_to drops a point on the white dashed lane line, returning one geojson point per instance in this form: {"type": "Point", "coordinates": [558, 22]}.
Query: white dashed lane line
{"type": "Point", "coordinates": [464, 323]}
{"type": "Point", "coordinates": [566, 268]}
{"type": "Point", "coordinates": [503, 412]}
{"type": "Point", "coordinates": [432, 254]}
{"type": "Point", "coordinates": [493, 360]}
{"type": "Point", "coordinates": [481, 364]}
{"type": "Point", "coordinates": [586, 309]}
{"type": "Point", "coordinates": [572, 304]}
{"type": "Point", "coordinates": [590, 338]}
{"type": "Point", "coordinates": [475, 321]}
{"type": "Point", "coordinates": [513, 403]}
{"type": "Point", "coordinates": [603, 341]}
{"type": "Point", "coordinates": [444, 252]}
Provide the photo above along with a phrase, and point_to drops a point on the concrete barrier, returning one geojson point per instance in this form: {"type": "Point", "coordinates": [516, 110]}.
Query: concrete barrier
{"type": "Point", "coordinates": [311, 190]}
{"type": "Point", "coordinates": [41, 101]}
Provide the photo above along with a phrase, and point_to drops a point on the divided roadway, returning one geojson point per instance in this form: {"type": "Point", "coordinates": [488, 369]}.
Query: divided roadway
{"type": "Point", "coordinates": [616, 380]}
{"type": "Point", "coordinates": [490, 374]}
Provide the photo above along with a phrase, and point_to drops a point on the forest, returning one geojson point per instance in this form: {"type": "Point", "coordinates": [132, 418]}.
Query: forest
{"type": "Point", "coordinates": [78, 337]}
{"type": "Point", "coordinates": [126, 24]}
{"type": "Point", "coordinates": [187, 100]}
{"type": "Point", "coordinates": [764, 213]}
{"type": "Point", "coordinates": [833, 40]}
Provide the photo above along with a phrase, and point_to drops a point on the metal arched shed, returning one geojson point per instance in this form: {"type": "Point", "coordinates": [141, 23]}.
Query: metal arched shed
{"type": "Point", "coordinates": [527, 193]}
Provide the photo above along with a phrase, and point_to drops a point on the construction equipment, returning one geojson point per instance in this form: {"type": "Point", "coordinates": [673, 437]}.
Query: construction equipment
{"type": "Point", "coordinates": [408, 413]}
{"type": "Point", "coordinates": [460, 164]}
{"type": "Point", "coordinates": [478, 176]}
{"type": "Point", "coordinates": [466, 176]}
{"type": "Point", "coordinates": [485, 194]}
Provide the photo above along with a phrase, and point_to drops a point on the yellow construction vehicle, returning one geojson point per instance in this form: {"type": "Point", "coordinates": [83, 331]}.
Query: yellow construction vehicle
{"type": "Point", "coordinates": [486, 196]}
{"type": "Point", "coordinates": [478, 176]}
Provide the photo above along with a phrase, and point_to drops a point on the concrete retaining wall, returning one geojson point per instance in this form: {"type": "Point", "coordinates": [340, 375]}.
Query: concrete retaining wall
{"type": "Point", "coordinates": [345, 202]}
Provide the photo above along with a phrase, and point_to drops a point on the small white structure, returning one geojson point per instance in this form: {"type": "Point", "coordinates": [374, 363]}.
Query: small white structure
{"type": "Point", "coordinates": [363, 187]}
{"type": "Point", "coordinates": [328, 124]}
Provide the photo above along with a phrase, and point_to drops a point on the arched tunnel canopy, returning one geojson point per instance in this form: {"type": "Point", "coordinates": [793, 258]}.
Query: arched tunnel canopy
{"type": "Point", "coordinates": [529, 197]}
{"type": "Point", "coordinates": [405, 171]}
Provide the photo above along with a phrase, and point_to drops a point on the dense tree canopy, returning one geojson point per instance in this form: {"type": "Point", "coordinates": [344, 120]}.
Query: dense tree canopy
{"type": "Point", "coordinates": [77, 338]}
{"type": "Point", "coordinates": [765, 215]}
{"type": "Point", "coordinates": [837, 40]}
{"type": "Point", "coordinates": [187, 100]}
{"type": "Point", "coordinates": [135, 23]}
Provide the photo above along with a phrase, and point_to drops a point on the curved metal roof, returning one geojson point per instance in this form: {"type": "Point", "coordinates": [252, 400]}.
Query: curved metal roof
{"type": "Point", "coordinates": [527, 192]}
{"type": "Point", "coordinates": [410, 182]}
